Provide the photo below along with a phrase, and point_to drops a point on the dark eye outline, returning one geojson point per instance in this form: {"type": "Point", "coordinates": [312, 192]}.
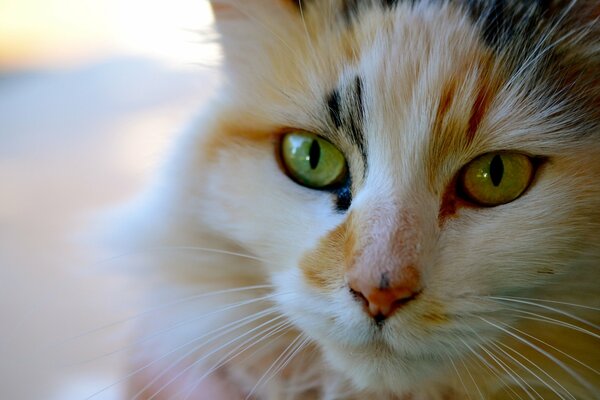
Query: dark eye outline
{"type": "Point", "coordinates": [341, 189]}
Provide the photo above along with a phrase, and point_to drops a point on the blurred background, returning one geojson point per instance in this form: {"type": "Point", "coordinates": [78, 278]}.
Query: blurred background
{"type": "Point", "coordinates": [91, 94]}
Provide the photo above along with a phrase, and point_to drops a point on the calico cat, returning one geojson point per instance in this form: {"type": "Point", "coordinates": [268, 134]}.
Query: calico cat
{"type": "Point", "coordinates": [387, 200]}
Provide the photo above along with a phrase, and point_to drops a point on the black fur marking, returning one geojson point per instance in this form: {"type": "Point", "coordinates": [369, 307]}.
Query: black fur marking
{"type": "Point", "coordinates": [333, 104]}
{"type": "Point", "coordinates": [347, 113]}
{"type": "Point", "coordinates": [350, 9]}
{"type": "Point", "coordinates": [345, 107]}
{"type": "Point", "coordinates": [389, 3]}
{"type": "Point", "coordinates": [503, 22]}
{"type": "Point", "coordinates": [300, 4]}
{"type": "Point", "coordinates": [356, 118]}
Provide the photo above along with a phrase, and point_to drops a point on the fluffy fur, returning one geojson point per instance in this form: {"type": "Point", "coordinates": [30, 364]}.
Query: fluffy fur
{"type": "Point", "coordinates": [509, 300]}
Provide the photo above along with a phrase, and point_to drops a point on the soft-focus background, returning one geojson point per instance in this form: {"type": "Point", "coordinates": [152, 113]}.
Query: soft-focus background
{"type": "Point", "coordinates": [91, 94]}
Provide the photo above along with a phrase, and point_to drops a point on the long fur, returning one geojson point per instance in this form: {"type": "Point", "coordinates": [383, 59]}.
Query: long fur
{"type": "Point", "coordinates": [510, 300]}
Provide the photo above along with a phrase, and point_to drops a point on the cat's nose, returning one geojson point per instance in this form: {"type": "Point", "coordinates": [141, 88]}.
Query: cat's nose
{"type": "Point", "coordinates": [382, 302]}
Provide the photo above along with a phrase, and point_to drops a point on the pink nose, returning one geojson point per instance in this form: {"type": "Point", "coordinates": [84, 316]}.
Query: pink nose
{"type": "Point", "coordinates": [382, 302]}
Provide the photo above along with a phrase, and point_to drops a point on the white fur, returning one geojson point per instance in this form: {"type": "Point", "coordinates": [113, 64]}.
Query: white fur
{"type": "Point", "coordinates": [238, 199]}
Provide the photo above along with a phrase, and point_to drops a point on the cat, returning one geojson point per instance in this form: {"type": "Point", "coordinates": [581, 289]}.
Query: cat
{"type": "Point", "coordinates": [387, 199]}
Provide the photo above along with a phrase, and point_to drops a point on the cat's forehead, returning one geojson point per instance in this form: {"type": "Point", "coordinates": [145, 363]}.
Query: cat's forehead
{"type": "Point", "coordinates": [412, 77]}
{"type": "Point", "coordinates": [436, 78]}
{"type": "Point", "coordinates": [463, 73]}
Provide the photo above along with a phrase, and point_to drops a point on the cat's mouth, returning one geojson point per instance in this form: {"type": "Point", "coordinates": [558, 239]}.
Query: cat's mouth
{"type": "Point", "coordinates": [382, 305]}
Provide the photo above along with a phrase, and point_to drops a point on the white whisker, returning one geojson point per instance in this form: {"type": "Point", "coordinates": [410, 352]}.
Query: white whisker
{"type": "Point", "coordinates": [559, 351]}
{"type": "Point", "coordinates": [235, 325]}
{"type": "Point", "coordinates": [553, 301]}
{"type": "Point", "coordinates": [261, 23]}
{"type": "Point", "coordinates": [553, 309]}
{"type": "Point", "coordinates": [169, 305]}
{"type": "Point", "coordinates": [531, 372]}
{"type": "Point", "coordinates": [558, 362]}
{"type": "Point", "coordinates": [232, 326]}
{"type": "Point", "coordinates": [212, 352]}
{"type": "Point", "coordinates": [308, 38]}
{"type": "Point", "coordinates": [289, 359]}
{"type": "Point", "coordinates": [278, 329]}
{"type": "Point", "coordinates": [175, 326]}
{"type": "Point", "coordinates": [274, 364]}
{"type": "Point", "coordinates": [458, 374]}
{"type": "Point", "coordinates": [553, 321]}
{"type": "Point", "coordinates": [542, 47]}
{"type": "Point", "coordinates": [467, 368]}
{"type": "Point", "coordinates": [516, 378]}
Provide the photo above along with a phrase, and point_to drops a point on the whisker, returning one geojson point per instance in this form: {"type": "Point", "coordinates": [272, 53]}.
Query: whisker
{"type": "Point", "coordinates": [531, 372]}
{"type": "Point", "coordinates": [289, 359]}
{"type": "Point", "coordinates": [277, 330]}
{"type": "Point", "coordinates": [542, 47]}
{"type": "Point", "coordinates": [261, 23]}
{"type": "Point", "coordinates": [516, 378]}
{"type": "Point", "coordinates": [528, 370]}
{"type": "Point", "coordinates": [282, 329]}
{"type": "Point", "coordinates": [235, 326]}
{"type": "Point", "coordinates": [177, 325]}
{"type": "Point", "coordinates": [508, 388]}
{"type": "Point", "coordinates": [558, 350]}
{"type": "Point", "coordinates": [468, 371]}
{"type": "Point", "coordinates": [232, 326]}
{"type": "Point", "coordinates": [553, 321]}
{"type": "Point", "coordinates": [205, 250]}
{"type": "Point", "coordinates": [42, 300]}
{"type": "Point", "coordinates": [273, 364]}
{"type": "Point", "coordinates": [554, 302]}
{"type": "Point", "coordinates": [205, 356]}
{"type": "Point", "coordinates": [458, 374]}
{"type": "Point", "coordinates": [166, 306]}
{"type": "Point", "coordinates": [309, 379]}
{"type": "Point", "coordinates": [558, 362]}
{"type": "Point", "coordinates": [308, 39]}
{"type": "Point", "coordinates": [553, 309]}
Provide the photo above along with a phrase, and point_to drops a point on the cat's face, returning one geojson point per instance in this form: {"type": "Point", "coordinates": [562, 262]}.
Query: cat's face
{"type": "Point", "coordinates": [391, 270]}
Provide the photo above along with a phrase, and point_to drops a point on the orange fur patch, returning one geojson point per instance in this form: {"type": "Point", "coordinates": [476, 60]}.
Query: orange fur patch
{"type": "Point", "coordinates": [324, 267]}
{"type": "Point", "coordinates": [471, 87]}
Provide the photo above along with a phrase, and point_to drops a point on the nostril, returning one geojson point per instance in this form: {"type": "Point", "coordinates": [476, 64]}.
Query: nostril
{"type": "Point", "coordinates": [381, 303]}
{"type": "Point", "coordinates": [359, 297]}
{"type": "Point", "coordinates": [402, 301]}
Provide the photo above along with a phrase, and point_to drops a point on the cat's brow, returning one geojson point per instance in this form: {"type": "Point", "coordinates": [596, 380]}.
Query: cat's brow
{"type": "Point", "coordinates": [346, 111]}
{"type": "Point", "coordinates": [501, 22]}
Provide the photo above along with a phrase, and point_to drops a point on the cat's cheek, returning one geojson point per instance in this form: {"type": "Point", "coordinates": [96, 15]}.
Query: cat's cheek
{"type": "Point", "coordinates": [251, 201]}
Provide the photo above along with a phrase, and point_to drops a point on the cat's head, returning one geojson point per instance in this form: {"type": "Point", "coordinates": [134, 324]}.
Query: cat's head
{"type": "Point", "coordinates": [403, 165]}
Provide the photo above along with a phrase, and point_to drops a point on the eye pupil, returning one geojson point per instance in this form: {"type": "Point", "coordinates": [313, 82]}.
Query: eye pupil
{"type": "Point", "coordinates": [496, 170]}
{"type": "Point", "coordinates": [314, 154]}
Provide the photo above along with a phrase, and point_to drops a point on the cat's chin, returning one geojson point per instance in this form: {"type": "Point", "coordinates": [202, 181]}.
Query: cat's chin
{"type": "Point", "coordinates": [379, 369]}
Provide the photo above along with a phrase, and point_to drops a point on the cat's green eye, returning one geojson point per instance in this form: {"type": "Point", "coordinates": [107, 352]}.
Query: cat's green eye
{"type": "Point", "coordinates": [496, 178]}
{"type": "Point", "coordinates": [312, 161]}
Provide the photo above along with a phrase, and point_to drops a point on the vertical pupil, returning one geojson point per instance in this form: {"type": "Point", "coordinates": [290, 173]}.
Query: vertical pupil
{"type": "Point", "coordinates": [314, 154]}
{"type": "Point", "coordinates": [496, 170]}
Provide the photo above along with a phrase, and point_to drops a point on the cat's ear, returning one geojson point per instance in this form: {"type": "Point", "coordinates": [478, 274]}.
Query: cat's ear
{"type": "Point", "coordinates": [253, 30]}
